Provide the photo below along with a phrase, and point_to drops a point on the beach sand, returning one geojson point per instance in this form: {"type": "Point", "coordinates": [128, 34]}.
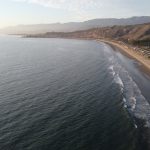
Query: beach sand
{"type": "Point", "coordinates": [130, 52]}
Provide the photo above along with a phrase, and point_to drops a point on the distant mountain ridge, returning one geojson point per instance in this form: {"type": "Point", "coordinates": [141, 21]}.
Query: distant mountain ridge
{"type": "Point", "coordinates": [139, 32]}
{"type": "Point", "coordinates": [74, 26]}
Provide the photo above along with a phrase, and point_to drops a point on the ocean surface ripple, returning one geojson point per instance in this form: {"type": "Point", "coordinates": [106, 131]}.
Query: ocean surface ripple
{"type": "Point", "coordinates": [59, 94]}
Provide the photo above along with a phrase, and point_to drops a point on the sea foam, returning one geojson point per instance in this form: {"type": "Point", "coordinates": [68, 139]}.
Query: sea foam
{"type": "Point", "coordinates": [133, 99]}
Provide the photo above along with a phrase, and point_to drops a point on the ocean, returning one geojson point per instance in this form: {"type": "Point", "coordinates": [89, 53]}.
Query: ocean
{"type": "Point", "coordinates": [65, 94]}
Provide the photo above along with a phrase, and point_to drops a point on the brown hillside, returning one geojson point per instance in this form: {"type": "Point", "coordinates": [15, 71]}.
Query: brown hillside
{"type": "Point", "coordinates": [124, 33]}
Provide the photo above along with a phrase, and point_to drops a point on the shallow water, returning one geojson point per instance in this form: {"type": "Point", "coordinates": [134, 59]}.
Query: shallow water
{"type": "Point", "coordinates": [59, 94]}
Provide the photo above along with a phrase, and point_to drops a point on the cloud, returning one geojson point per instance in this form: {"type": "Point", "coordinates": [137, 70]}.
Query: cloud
{"type": "Point", "coordinates": [80, 8]}
{"type": "Point", "coordinates": [71, 5]}
{"type": "Point", "coordinates": [89, 9]}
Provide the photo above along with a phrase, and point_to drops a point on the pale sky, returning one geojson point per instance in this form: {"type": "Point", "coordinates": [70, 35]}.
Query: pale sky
{"type": "Point", "coordinates": [15, 12]}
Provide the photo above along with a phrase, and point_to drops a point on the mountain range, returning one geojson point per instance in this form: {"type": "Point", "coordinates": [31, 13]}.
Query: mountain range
{"type": "Point", "coordinates": [74, 26]}
{"type": "Point", "coordinates": [126, 33]}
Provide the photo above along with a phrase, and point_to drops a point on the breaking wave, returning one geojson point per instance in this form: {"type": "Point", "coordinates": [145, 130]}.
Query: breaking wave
{"type": "Point", "coordinates": [133, 100]}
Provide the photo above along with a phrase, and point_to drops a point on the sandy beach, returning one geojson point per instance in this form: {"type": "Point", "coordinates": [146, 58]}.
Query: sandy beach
{"type": "Point", "coordinates": [130, 52]}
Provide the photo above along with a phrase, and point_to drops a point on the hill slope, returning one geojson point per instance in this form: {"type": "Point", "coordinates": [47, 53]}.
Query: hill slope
{"type": "Point", "coordinates": [124, 33]}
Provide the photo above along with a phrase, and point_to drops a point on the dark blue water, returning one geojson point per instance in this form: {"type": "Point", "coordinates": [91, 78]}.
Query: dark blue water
{"type": "Point", "coordinates": [58, 94]}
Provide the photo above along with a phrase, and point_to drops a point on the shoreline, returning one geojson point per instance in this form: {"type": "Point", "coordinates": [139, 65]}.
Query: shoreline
{"type": "Point", "coordinates": [144, 63]}
{"type": "Point", "coordinates": [143, 132]}
{"type": "Point", "coordinates": [129, 52]}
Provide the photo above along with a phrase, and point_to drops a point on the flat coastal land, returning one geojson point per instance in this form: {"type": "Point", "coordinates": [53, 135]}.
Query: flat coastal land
{"type": "Point", "coordinates": [130, 52]}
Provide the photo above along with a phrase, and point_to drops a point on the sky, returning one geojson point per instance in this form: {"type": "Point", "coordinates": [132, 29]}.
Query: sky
{"type": "Point", "coordinates": [16, 12]}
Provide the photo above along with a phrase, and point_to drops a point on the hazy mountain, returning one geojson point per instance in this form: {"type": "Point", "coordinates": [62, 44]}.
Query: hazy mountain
{"type": "Point", "coordinates": [126, 33]}
{"type": "Point", "coordinates": [74, 26]}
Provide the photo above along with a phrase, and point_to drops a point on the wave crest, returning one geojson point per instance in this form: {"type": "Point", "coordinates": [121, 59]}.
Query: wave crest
{"type": "Point", "coordinates": [133, 99]}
